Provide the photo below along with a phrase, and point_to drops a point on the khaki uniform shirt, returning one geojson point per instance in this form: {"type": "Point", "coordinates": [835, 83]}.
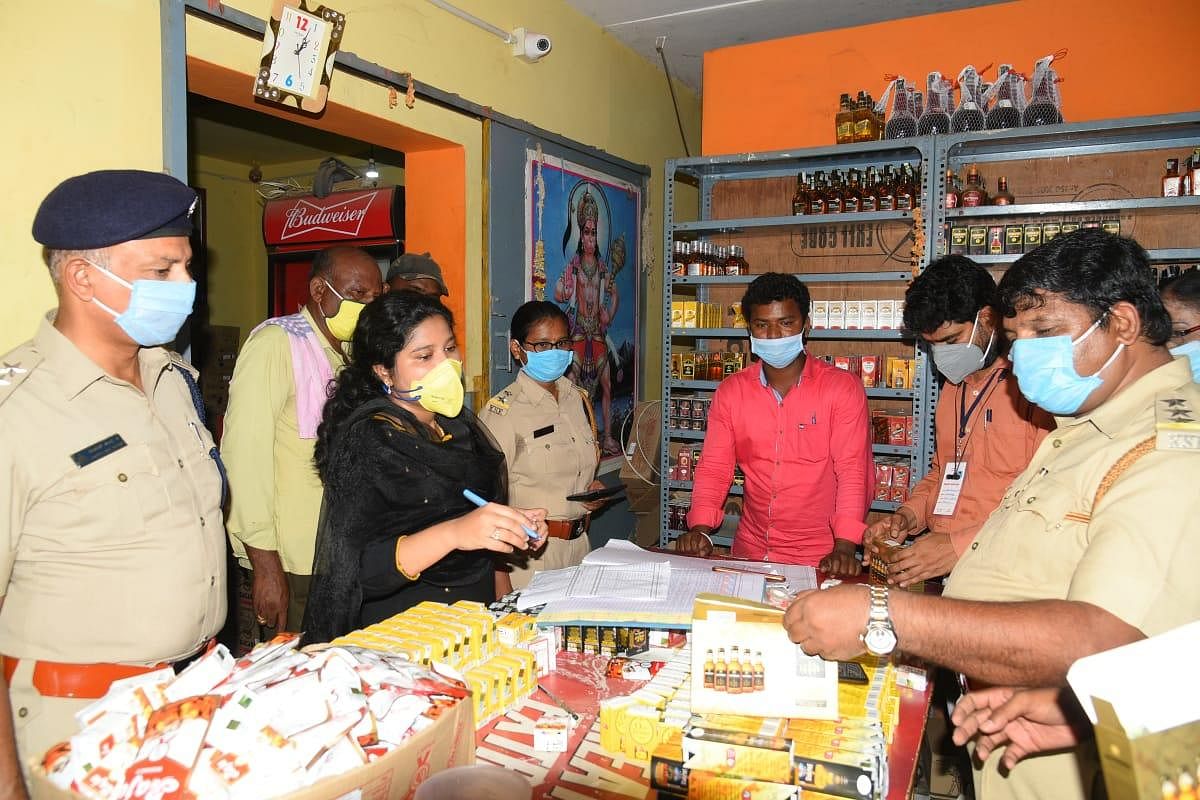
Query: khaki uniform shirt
{"type": "Point", "coordinates": [1134, 553]}
{"type": "Point", "coordinates": [274, 491]}
{"type": "Point", "coordinates": [111, 550]}
{"type": "Point", "coordinates": [550, 448]}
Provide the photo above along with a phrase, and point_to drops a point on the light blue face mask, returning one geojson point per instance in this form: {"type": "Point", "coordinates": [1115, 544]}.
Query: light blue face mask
{"type": "Point", "coordinates": [1045, 370]}
{"type": "Point", "coordinates": [549, 366]}
{"type": "Point", "coordinates": [1192, 351]}
{"type": "Point", "coordinates": [778, 352]}
{"type": "Point", "coordinates": [156, 310]}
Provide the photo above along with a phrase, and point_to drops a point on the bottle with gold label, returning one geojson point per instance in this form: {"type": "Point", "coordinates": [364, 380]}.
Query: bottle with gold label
{"type": "Point", "coordinates": [759, 671]}
{"type": "Point", "coordinates": [952, 190]}
{"type": "Point", "coordinates": [734, 680]}
{"type": "Point", "coordinates": [800, 196]}
{"type": "Point", "coordinates": [885, 192]}
{"type": "Point", "coordinates": [973, 194]}
{"type": "Point", "coordinates": [844, 121]}
{"type": "Point", "coordinates": [720, 671]}
{"type": "Point", "coordinates": [833, 196]}
{"type": "Point", "coordinates": [852, 198]}
{"type": "Point", "coordinates": [864, 120]}
{"type": "Point", "coordinates": [708, 669]}
{"type": "Point", "coordinates": [816, 195]}
{"type": "Point", "coordinates": [868, 199]}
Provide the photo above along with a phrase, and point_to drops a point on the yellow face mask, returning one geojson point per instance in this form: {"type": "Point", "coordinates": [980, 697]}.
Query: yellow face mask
{"type": "Point", "coordinates": [343, 323]}
{"type": "Point", "coordinates": [440, 390]}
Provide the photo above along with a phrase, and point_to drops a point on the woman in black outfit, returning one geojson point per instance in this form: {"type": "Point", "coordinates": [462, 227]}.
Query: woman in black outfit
{"type": "Point", "coordinates": [395, 450]}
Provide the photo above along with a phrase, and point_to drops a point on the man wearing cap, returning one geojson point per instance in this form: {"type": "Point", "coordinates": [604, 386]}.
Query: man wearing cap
{"type": "Point", "coordinates": [112, 552]}
{"type": "Point", "coordinates": [417, 272]}
{"type": "Point", "coordinates": [275, 401]}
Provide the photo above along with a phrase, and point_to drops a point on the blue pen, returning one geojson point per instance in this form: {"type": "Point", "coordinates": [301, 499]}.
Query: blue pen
{"type": "Point", "coordinates": [479, 501]}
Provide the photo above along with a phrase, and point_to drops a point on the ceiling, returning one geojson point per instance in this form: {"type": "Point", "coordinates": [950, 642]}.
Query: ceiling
{"type": "Point", "coordinates": [231, 133]}
{"type": "Point", "coordinates": [695, 26]}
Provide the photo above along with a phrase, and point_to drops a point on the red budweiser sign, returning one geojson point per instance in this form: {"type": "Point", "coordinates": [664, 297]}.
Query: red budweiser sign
{"type": "Point", "coordinates": [374, 215]}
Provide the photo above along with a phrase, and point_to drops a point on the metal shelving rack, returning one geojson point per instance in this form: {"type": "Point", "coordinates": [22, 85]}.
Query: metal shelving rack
{"type": "Point", "coordinates": [707, 172]}
{"type": "Point", "coordinates": [1176, 131]}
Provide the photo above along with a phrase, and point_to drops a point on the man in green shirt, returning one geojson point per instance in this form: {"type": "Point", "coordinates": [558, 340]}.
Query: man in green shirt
{"type": "Point", "coordinates": [275, 402]}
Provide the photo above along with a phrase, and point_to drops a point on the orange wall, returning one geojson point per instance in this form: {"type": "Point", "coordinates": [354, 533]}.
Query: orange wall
{"type": "Point", "coordinates": [783, 94]}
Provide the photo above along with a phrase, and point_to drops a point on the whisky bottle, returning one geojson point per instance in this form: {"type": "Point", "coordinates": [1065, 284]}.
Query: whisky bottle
{"type": "Point", "coordinates": [867, 198]}
{"type": "Point", "coordinates": [1002, 197]}
{"type": "Point", "coordinates": [1008, 102]}
{"type": "Point", "coordinates": [885, 197]}
{"type": "Point", "coordinates": [720, 672]}
{"type": "Point", "coordinates": [1044, 104]}
{"type": "Point", "coordinates": [852, 199]}
{"type": "Point", "coordinates": [973, 194]}
{"type": "Point", "coordinates": [759, 672]}
{"type": "Point", "coordinates": [800, 196]}
{"type": "Point", "coordinates": [833, 198]}
{"type": "Point", "coordinates": [864, 120]}
{"type": "Point", "coordinates": [904, 189]}
{"type": "Point", "coordinates": [708, 669]}
{"type": "Point", "coordinates": [952, 190]}
{"type": "Point", "coordinates": [1172, 182]}
{"type": "Point", "coordinates": [734, 678]}
{"type": "Point", "coordinates": [901, 124]}
{"type": "Point", "coordinates": [935, 119]}
{"type": "Point", "coordinates": [816, 195]}
{"type": "Point", "coordinates": [844, 121]}
{"type": "Point", "coordinates": [969, 115]}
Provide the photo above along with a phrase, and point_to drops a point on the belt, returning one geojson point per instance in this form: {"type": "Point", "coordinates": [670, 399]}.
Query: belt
{"type": "Point", "coordinates": [568, 528]}
{"type": "Point", "coordinates": [85, 681]}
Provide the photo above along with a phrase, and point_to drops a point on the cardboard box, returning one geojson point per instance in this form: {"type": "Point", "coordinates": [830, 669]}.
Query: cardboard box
{"type": "Point", "coordinates": [853, 315]}
{"type": "Point", "coordinates": [448, 742]}
{"type": "Point", "coordinates": [1033, 236]}
{"type": "Point", "coordinates": [1014, 239]}
{"type": "Point", "coordinates": [837, 314]}
{"type": "Point", "coordinates": [870, 371]}
{"type": "Point", "coordinates": [1049, 231]}
{"type": "Point", "coordinates": [898, 316]}
{"type": "Point", "coordinates": [819, 314]}
{"type": "Point", "coordinates": [885, 315]}
{"type": "Point", "coordinates": [958, 240]}
{"type": "Point", "coordinates": [995, 240]}
{"type": "Point", "coordinates": [870, 315]}
{"type": "Point", "coordinates": [977, 240]}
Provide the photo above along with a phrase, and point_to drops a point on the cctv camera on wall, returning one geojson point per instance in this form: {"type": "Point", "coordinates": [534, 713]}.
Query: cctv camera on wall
{"type": "Point", "coordinates": [530, 46]}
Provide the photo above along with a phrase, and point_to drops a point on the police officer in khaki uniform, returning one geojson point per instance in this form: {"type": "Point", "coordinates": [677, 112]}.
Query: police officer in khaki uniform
{"type": "Point", "coordinates": [1094, 545]}
{"type": "Point", "coordinates": [112, 549]}
{"type": "Point", "coordinates": [545, 425]}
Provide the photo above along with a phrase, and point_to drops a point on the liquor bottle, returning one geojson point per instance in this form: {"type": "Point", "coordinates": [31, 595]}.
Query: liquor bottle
{"type": "Point", "coordinates": [935, 119]}
{"type": "Point", "coordinates": [833, 198]}
{"type": "Point", "coordinates": [800, 196]}
{"type": "Point", "coordinates": [720, 257]}
{"type": "Point", "coordinates": [901, 124]}
{"type": "Point", "coordinates": [1192, 177]}
{"type": "Point", "coordinates": [1002, 197]}
{"type": "Point", "coordinates": [736, 263]}
{"type": "Point", "coordinates": [864, 119]}
{"type": "Point", "coordinates": [708, 669]}
{"type": "Point", "coordinates": [1172, 182]}
{"type": "Point", "coordinates": [973, 194]}
{"type": "Point", "coordinates": [734, 679]}
{"type": "Point", "coordinates": [952, 190]}
{"type": "Point", "coordinates": [1007, 106]}
{"type": "Point", "coordinates": [867, 201]}
{"type": "Point", "coordinates": [852, 199]}
{"type": "Point", "coordinates": [720, 671]}
{"type": "Point", "coordinates": [760, 676]}
{"type": "Point", "coordinates": [679, 258]}
{"type": "Point", "coordinates": [916, 102]}
{"type": "Point", "coordinates": [816, 195]}
{"type": "Point", "coordinates": [885, 196]}
{"type": "Point", "coordinates": [695, 264]}
{"type": "Point", "coordinates": [904, 189]}
{"type": "Point", "coordinates": [844, 121]}
{"type": "Point", "coordinates": [1044, 105]}
{"type": "Point", "coordinates": [969, 115]}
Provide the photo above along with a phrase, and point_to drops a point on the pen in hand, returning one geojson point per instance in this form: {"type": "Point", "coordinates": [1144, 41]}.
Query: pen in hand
{"type": "Point", "coordinates": [479, 501]}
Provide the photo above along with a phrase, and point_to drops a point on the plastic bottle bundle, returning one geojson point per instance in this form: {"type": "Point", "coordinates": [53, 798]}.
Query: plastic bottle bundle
{"type": "Point", "coordinates": [1045, 105]}
{"type": "Point", "coordinates": [1007, 99]}
{"type": "Point", "coordinates": [935, 117]}
{"type": "Point", "coordinates": [969, 114]}
{"type": "Point", "coordinates": [901, 122]}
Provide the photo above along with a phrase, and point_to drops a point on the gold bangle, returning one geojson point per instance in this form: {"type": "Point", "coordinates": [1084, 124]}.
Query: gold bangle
{"type": "Point", "coordinates": [400, 567]}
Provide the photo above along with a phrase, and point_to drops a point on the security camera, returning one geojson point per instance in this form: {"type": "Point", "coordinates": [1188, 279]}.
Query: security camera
{"type": "Point", "coordinates": [529, 46]}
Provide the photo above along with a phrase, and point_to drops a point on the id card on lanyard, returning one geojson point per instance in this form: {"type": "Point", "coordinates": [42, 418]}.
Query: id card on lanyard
{"type": "Point", "coordinates": [952, 485]}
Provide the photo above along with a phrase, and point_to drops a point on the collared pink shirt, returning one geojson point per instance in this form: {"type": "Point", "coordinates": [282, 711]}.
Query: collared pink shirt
{"type": "Point", "coordinates": [807, 461]}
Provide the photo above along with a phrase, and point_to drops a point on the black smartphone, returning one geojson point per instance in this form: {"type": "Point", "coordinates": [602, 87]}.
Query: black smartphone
{"type": "Point", "coordinates": [598, 494]}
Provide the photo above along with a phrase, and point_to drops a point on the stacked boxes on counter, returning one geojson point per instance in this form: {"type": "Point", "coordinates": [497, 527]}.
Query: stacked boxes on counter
{"type": "Point", "coordinates": [1015, 238]}
{"type": "Point", "coordinates": [501, 659]}
{"type": "Point", "coordinates": [720, 756]}
{"type": "Point", "coordinates": [857, 315]}
{"type": "Point", "coordinates": [892, 372]}
{"type": "Point", "coordinates": [637, 724]}
{"type": "Point", "coordinates": [707, 366]}
{"type": "Point", "coordinates": [686, 460]}
{"type": "Point", "coordinates": [689, 413]}
{"type": "Point", "coordinates": [892, 476]}
{"type": "Point", "coordinates": [699, 314]}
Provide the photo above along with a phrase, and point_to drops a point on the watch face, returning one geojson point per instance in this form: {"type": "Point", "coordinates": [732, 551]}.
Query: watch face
{"type": "Point", "coordinates": [880, 640]}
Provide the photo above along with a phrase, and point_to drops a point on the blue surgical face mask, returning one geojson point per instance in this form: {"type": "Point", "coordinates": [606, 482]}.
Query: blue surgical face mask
{"type": "Point", "coordinates": [778, 352]}
{"type": "Point", "coordinates": [156, 310]}
{"type": "Point", "coordinates": [1192, 351]}
{"type": "Point", "coordinates": [548, 366]}
{"type": "Point", "coordinates": [1045, 370]}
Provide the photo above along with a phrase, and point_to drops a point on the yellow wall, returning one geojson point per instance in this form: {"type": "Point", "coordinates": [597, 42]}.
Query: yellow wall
{"type": "Point", "coordinates": [590, 88]}
{"type": "Point", "coordinates": [78, 97]}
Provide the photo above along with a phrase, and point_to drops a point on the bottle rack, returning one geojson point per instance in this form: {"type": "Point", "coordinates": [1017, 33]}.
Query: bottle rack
{"type": "Point", "coordinates": [1111, 139]}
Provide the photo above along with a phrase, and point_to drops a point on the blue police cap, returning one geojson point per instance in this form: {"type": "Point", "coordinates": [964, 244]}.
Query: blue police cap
{"type": "Point", "coordinates": [111, 206]}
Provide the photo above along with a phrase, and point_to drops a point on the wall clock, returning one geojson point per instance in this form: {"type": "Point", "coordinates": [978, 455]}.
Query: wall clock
{"type": "Point", "coordinates": [298, 53]}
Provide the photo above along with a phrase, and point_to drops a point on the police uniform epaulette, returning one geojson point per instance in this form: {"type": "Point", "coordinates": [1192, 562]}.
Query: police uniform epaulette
{"type": "Point", "coordinates": [498, 405]}
{"type": "Point", "coordinates": [179, 362]}
{"type": "Point", "coordinates": [1176, 422]}
{"type": "Point", "coordinates": [15, 367]}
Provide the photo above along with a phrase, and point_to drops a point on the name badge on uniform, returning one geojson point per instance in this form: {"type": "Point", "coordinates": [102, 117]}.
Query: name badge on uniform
{"type": "Point", "coordinates": [952, 486]}
{"type": "Point", "coordinates": [97, 451]}
{"type": "Point", "coordinates": [546, 431]}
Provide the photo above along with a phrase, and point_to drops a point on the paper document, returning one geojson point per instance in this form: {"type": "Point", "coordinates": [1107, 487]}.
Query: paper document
{"type": "Point", "coordinates": [799, 578]}
{"type": "Point", "coordinates": [645, 582]}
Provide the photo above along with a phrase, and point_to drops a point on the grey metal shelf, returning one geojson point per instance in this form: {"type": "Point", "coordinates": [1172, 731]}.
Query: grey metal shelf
{"type": "Point", "coordinates": [791, 221]}
{"type": "Point", "coordinates": [880, 393]}
{"type": "Point", "coordinates": [685, 433]}
{"type": "Point", "coordinates": [892, 449]}
{"type": "Point", "coordinates": [824, 333]}
{"type": "Point", "coordinates": [687, 487]}
{"type": "Point", "coordinates": [1161, 254]}
{"type": "Point", "coordinates": [806, 277]}
{"type": "Point", "coordinates": [1077, 207]}
{"type": "Point", "coordinates": [884, 505]}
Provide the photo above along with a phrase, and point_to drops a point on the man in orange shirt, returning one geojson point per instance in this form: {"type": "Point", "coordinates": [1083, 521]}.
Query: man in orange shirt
{"type": "Point", "coordinates": [986, 431]}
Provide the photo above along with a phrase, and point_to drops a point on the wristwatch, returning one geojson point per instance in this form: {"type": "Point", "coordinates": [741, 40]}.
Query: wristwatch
{"type": "Point", "coordinates": [880, 636]}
